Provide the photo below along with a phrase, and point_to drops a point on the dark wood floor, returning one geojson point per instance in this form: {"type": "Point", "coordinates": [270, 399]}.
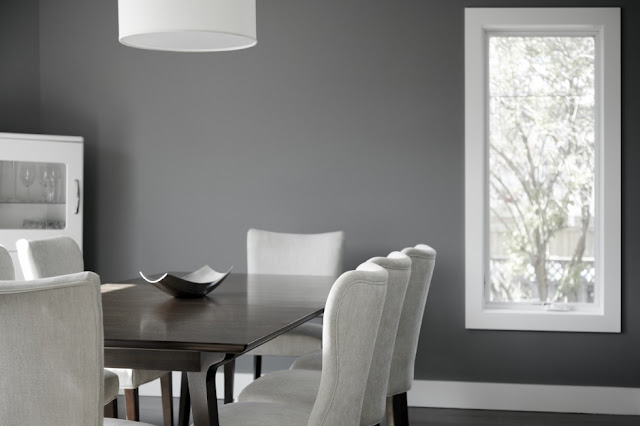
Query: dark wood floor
{"type": "Point", "coordinates": [151, 412]}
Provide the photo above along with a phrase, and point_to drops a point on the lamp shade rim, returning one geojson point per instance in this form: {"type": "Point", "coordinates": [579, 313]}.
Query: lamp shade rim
{"type": "Point", "coordinates": [136, 40]}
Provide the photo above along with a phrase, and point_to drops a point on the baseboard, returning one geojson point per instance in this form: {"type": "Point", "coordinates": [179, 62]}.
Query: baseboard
{"type": "Point", "coordinates": [486, 396]}
{"type": "Point", "coordinates": [525, 397]}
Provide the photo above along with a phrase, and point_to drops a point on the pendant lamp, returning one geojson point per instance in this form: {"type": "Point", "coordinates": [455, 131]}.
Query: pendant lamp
{"type": "Point", "coordinates": [187, 25]}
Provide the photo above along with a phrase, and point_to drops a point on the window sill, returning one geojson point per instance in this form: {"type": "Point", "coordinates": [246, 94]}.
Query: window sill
{"type": "Point", "coordinates": [539, 319]}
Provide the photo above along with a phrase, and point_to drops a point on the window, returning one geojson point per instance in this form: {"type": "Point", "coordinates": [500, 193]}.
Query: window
{"type": "Point", "coordinates": [542, 163]}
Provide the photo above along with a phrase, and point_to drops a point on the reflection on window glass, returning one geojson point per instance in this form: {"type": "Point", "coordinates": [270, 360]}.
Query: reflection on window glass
{"type": "Point", "coordinates": [541, 169]}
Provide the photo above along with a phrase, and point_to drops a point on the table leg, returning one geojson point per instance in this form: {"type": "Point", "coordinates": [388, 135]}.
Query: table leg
{"type": "Point", "coordinates": [185, 401]}
{"type": "Point", "coordinates": [204, 403]}
{"type": "Point", "coordinates": [229, 370]}
{"type": "Point", "coordinates": [202, 389]}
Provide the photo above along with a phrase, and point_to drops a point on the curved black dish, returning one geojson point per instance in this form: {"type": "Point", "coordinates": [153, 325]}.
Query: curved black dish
{"type": "Point", "coordinates": [196, 284]}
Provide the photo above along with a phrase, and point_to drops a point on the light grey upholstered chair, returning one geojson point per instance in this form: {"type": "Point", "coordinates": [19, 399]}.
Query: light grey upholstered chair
{"type": "Point", "coordinates": [52, 328]}
{"type": "Point", "coordinates": [423, 260]}
{"type": "Point", "coordinates": [351, 320]}
{"type": "Point", "coordinates": [293, 254]}
{"type": "Point", "coordinates": [301, 386]}
{"type": "Point", "coordinates": [111, 387]}
{"type": "Point", "coordinates": [59, 256]}
{"type": "Point", "coordinates": [49, 257]}
{"type": "Point", "coordinates": [7, 271]}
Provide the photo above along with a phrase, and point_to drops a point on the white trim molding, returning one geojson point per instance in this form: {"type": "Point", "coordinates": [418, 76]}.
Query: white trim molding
{"type": "Point", "coordinates": [485, 396]}
{"type": "Point", "coordinates": [525, 397]}
{"type": "Point", "coordinates": [605, 315]}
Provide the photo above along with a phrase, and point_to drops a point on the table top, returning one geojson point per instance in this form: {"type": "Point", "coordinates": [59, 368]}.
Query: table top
{"type": "Point", "coordinates": [242, 313]}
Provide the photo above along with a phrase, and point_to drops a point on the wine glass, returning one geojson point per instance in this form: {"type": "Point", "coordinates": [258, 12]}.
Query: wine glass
{"type": "Point", "coordinates": [54, 177]}
{"type": "Point", "coordinates": [43, 180]}
{"type": "Point", "coordinates": [28, 176]}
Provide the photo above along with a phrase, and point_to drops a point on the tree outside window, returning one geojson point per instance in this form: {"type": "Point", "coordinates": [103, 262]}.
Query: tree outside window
{"type": "Point", "coordinates": [543, 222]}
{"type": "Point", "coordinates": [541, 168]}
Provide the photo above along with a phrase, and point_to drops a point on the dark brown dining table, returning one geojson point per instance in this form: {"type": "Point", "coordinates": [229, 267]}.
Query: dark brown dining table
{"type": "Point", "coordinates": [146, 328]}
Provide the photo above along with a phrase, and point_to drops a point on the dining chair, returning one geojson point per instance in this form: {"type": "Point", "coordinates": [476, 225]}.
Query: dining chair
{"type": "Point", "coordinates": [111, 388]}
{"type": "Point", "coordinates": [7, 271]}
{"type": "Point", "coordinates": [301, 386]}
{"type": "Point", "coordinates": [60, 256]}
{"type": "Point", "coordinates": [423, 260]}
{"type": "Point", "coordinates": [52, 328]}
{"type": "Point", "coordinates": [401, 372]}
{"type": "Point", "coordinates": [293, 254]}
{"type": "Point", "coordinates": [351, 320]}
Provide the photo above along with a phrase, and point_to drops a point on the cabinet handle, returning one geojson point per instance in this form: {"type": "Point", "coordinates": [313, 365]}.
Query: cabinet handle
{"type": "Point", "coordinates": [77, 196]}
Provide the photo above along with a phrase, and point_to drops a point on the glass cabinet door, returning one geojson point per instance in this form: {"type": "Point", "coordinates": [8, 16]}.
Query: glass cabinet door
{"type": "Point", "coordinates": [40, 187]}
{"type": "Point", "coordinates": [32, 195]}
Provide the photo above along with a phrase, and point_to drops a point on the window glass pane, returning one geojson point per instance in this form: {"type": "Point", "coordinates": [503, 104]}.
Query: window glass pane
{"type": "Point", "coordinates": [541, 168]}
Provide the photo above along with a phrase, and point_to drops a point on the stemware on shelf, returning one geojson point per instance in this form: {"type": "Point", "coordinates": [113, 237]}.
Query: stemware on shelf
{"type": "Point", "coordinates": [43, 180]}
{"type": "Point", "coordinates": [28, 176]}
{"type": "Point", "coordinates": [54, 179]}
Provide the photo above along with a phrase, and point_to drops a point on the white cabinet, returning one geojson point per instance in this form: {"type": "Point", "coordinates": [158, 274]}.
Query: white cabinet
{"type": "Point", "coordinates": [40, 188]}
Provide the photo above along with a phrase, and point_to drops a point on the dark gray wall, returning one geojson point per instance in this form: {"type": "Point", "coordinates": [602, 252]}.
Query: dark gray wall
{"type": "Point", "coordinates": [19, 66]}
{"type": "Point", "coordinates": [346, 115]}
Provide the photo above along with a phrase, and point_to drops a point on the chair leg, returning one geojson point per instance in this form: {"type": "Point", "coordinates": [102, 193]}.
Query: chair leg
{"type": "Point", "coordinates": [257, 366]}
{"type": "Point", "coordinates": [229, 371]}
{"type": "Point", "coordinates": [111, 409]}
{"type": "Point", "coordinates": [166, 390]}
{"type": "Point", "coordinates": [132, 404]}
{"type": "Point", "coordinates": [397, 410]}
{"type": "Point", "coordinates": [389, 411]}
{"type": "Point", "coordinates": [185, 401]}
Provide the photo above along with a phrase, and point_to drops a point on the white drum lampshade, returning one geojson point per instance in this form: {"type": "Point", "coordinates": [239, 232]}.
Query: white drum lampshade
{"type": "Point", "coordinates": [187, 25]}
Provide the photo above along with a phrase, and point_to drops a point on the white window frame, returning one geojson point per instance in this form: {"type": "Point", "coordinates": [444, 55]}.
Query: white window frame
{"type": "Point", "coordinates": [605, 24]}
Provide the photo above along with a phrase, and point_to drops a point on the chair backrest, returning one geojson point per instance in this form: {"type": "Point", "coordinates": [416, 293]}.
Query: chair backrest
{"type": "Point", "coordinates": [398, 266]}
{"type": "Point", "coordinates": [51, 347]}
{"type": "Point", "coordinates": [423, 260]}
{"type": "Point", "coordinates": [294, 254]}
{"type": "Point", "coordinates": [7, 272]}
{"type": "Point", "coordinates": [351, 319]}
{"type": "Point", "coordinates": [49, 257]}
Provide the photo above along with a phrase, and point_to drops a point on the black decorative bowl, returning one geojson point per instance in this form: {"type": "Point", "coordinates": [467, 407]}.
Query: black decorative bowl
{"type": "Point", "coordinates": [196, 284]}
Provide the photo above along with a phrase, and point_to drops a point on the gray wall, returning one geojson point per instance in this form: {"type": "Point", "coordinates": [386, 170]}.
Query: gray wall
{"type": "Point", "coordinates": [346, 115]}
{"type": "Point", "coordinates": [19, 66]}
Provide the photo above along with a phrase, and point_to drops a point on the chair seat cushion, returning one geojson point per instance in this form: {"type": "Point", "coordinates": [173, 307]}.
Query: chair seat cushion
{"type": "Point", "coordinates": [310, 361]}
{"type": "Point", "coordinates": [264, 414]}
{"type": "Point", "coordinates": [110, 386]}
{"type": "Point", "coordinates": [298, 387]}
{"type": "Point", "coordinates": [120, 422]}
{"type": "Point", "coordinates": [303, 339]}
{"type": "Point", "coordinates": [133, 378]}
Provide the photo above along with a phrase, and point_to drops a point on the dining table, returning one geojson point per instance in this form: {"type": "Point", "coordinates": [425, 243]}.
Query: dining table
{"type": "Point", "coordinates": [146, 328]}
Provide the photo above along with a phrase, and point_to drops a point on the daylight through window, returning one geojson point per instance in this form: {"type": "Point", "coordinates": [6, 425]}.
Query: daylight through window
{"type": "Point", "coordinates": [541, 168]}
